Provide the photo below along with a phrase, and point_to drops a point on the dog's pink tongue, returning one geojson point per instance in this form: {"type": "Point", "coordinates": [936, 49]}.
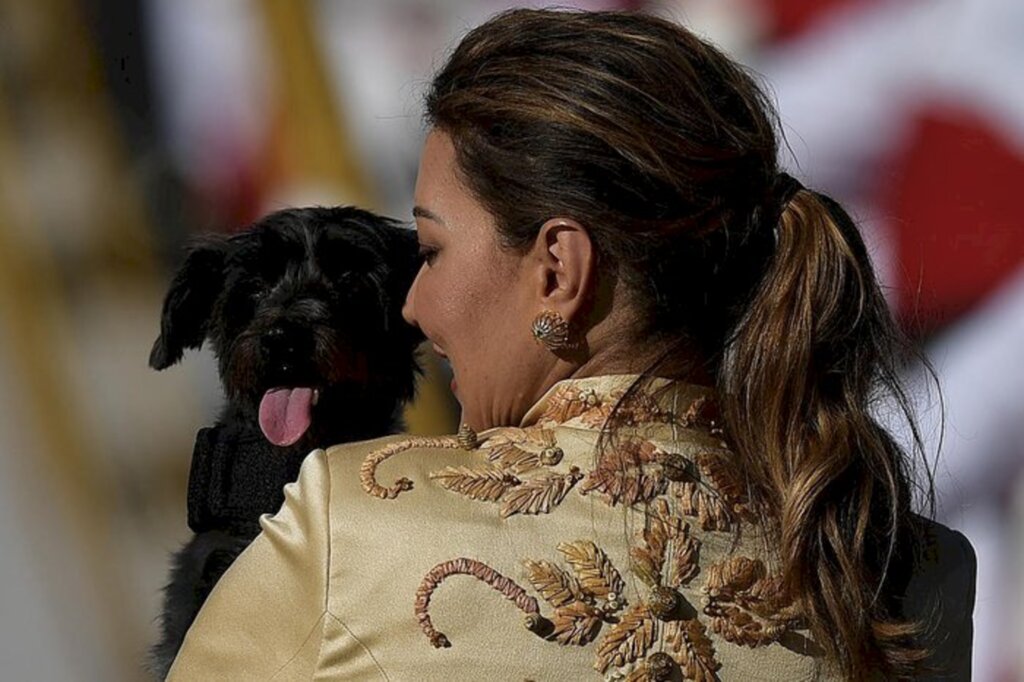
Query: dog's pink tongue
{"type": "Point", "coordinates": [285, 414]}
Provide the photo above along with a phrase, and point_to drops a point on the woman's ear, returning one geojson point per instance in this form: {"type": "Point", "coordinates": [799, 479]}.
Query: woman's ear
{"type": "Point", "coordinates": [566, 266]}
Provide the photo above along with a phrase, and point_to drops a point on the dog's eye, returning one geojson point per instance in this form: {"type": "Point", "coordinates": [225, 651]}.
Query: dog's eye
{"type": "Point", "coordinates": [257, 295]}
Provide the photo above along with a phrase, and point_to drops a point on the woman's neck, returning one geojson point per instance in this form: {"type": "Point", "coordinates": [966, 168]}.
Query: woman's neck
{"type": "Point", "coordinates": [610, 349]}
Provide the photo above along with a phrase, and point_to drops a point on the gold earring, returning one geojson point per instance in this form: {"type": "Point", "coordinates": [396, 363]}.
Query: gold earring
{"type": "Point", "coordinates": [551, 329]}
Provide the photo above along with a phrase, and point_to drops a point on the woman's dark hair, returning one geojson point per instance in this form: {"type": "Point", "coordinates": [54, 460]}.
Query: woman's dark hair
{"type": "Point", "coordinates": [666, 151]}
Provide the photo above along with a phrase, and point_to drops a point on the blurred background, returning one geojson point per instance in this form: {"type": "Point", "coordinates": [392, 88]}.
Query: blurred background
{"type": "Point", "coordinates": [126, 127]}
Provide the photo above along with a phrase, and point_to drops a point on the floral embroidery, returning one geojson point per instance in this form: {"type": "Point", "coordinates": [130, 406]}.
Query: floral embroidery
{"type": "Point", "coordinates": [747, 606]}
{"type": "Point", "coordinates": [556, 586]}
{"type": "Point", "coordinates": [540, 495]}
{"type": "Point", "coordinates": [716, 496]}
{"type": "Point", "coordinates": [660, 530]}
{"type": "Point", "coordinates": [622, 477]}
{"type": "Point", "coordinates": [654, 635]}
{"type": "Point", "coordinates": [692, 650]}
{"type": "Point", "coordinates": [593, 595]}
{"type": "Point", "coordinates": [486, 484]}
{"type": "Point", "coordinates": [596, 573]}
{"type": "Point", "coordinates": [477, 569]}
{"type": "Point", "coordinates": [639, 408]}
{"type": "Point", "coordinates": [702, 413]}
{"type": "Point", "coordinates": [569, 402]}
{"type": "Point", "coordinates": [575, 624]}
{"type": "Point", "coordinates": [628, 640]}
{"type": "Point", "coordinates": [635, 471]}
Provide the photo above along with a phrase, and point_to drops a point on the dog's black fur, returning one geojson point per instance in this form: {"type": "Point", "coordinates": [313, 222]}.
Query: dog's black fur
{"type": "Point", "coordinates": [305, 298]}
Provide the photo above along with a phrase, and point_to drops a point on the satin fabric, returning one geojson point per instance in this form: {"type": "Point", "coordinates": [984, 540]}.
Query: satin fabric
{"type": "Point", "coordinates": [328, 589]}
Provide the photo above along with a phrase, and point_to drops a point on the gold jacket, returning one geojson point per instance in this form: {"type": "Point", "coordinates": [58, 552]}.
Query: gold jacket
{"type": "Point", "coordinates": [514, 555]}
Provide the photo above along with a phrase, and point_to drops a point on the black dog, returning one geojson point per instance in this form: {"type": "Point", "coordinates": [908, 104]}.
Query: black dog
{"type": "Point", "coordinates": [303, 311]}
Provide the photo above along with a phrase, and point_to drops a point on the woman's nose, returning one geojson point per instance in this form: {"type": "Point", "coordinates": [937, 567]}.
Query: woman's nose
{"type": "Point", "coordinates": [407, 307]}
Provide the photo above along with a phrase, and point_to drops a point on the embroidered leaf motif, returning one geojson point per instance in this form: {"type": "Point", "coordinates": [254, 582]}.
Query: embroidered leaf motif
{"type": "Point", "coordinates": [649, 558]}
{"type": "Point", "coordinates": [594, 569]}
{"type": "Point", "coordinates": [540, 495]}
{"type": "Point", "coordinates": [621, 477]}
{"type": "Point", "coordinates": [568, 402]}
{"type": "Point", "coordinates": [688, 644]}
{"type": "Point", "coordinates": [628, 640]}
{"type": "Point", "coordinates": [661, 514]}
{"type": "Point", "coordinates": [645, 565]}
{"type": "Point", "coordinates": [639, 674]}
{"type": "Point", "coordinates": [701, 413]}
{"type": "Point", "coordinates": [696, 499]}
{"type": "Point", "coordinates": [746, 605]}
{"type": "Point", "coordinates": [627, 487]}
{"type": "Point", "coordinates": [513, 458]}
{"type": "Point", "coordinates": [484, 484]}
{"type": "Point", "coordinates": [596, 417]}
{"type": "Point", "coordinates": [576, 624]}
{"type": "Point", "coordinates": [639, 408]}
{"type": "Point", "coordinates": [685, 565]}
{"type": "Point", "coordinates": [716, 469]}
{"type": "Point", "coordinates": [556, 586]}
{"type": "Point", "coordinates": [632, 453]}
{"type": "Point", "coordinates": [733, 575]}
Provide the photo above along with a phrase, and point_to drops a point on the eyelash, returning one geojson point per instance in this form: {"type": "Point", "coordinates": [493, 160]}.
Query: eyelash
{"type": "Point", "coordinates": [428, 254]}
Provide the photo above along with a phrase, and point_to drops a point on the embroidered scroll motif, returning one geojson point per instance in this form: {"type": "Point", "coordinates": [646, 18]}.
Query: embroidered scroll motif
{"type": "Point", "coordinates": [744, 603]}
{"type": "Point", "coordinates": [634, 471]}
{"type": "Point", "coordinates": [478, 570]}
{"type": "Point", "coordinates": [368, 470]}
{"type": "Point", "coordinates": [747, 606]}
{"type": "Point", "coordinates": [656, 634]}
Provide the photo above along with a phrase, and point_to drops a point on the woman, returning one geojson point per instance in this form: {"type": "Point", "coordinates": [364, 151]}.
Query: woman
{"type": "Point", "coordinates": [683, 479]}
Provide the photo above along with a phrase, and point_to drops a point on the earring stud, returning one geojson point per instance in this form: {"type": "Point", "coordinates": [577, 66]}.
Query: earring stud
{"type": "Point", "coordinates": [551, 329]}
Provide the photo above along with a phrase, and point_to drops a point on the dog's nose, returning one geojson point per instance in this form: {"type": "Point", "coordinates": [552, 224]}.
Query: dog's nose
{"type": "Point", "coordinates": [279, 342]}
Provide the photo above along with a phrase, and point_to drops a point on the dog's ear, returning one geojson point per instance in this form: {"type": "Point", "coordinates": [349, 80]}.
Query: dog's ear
{"type": "Point", "coordinates": [189, 301]}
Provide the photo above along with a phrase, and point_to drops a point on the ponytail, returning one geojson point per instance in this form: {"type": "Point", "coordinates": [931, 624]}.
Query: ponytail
{"type": "Point", "coordinates": [804, 367]}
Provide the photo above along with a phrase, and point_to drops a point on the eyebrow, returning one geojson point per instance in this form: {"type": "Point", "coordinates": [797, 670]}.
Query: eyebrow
{"type": "Point", "coordinates": [420, 212]}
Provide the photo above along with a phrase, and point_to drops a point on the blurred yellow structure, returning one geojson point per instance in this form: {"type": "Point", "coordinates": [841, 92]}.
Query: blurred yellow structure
{"type": "Point", "coordinates": [96, 447]}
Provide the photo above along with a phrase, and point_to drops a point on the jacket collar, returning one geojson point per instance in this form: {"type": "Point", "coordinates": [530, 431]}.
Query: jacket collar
{"type": "Point", "coordinates": [589, 401]}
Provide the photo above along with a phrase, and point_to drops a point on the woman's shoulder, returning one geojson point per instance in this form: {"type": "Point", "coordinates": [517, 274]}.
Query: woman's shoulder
{"type": "Point", "coordinates": [940, 595]}
{"type": "Point", "coordinates": [945, 562]}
